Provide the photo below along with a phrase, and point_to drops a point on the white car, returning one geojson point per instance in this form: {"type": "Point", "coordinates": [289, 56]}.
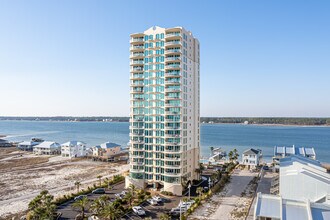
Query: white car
{"type": "Point", "coordinates": [157, 199]}
{"type": "Point", "coordinates": [138, 210]}
{"type": "Point", "coordinates": [188, 203]}
{"type": "Point", "coordinates": [152, 202]}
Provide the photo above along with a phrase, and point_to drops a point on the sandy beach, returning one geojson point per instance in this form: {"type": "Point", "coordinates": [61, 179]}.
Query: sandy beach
{"type": "Point", "coordinates": [24, 175]}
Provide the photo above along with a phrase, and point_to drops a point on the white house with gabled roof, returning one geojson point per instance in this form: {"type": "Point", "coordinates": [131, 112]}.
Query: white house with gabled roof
{"type": "Point", "coordinates": [251, 157]}
{"type": "Point", "coordinates": [73, 149]}
{"type": "Point", "coordinates": [47, 148]}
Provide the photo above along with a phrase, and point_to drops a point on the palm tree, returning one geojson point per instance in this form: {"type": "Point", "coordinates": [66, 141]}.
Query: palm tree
{"type": "Point", "coordinates": [132, 189]}
{"type": "Point", "coordinates": [82, 205]}
{"type": "Point", "coordinates": [230, 155]}
{"type": "Point", "coordinates": [110, 212]}
{"type": "Point", "coordinates": [235, 156]}
{"type": "Point", "coordinates": [164, 217]}
{"type": "Point", "coordinates": [98, 204]}
{"type": "Point", "coordinates": [212, 149]}
{"type": "Point", "coordinates": [100, 178]}
{"type": "Point", "coordinates": [129, 198]}
{"type": "Point", "coordinates": [199, 191]}
{"type": "Point", "coordinates": [77, 184]}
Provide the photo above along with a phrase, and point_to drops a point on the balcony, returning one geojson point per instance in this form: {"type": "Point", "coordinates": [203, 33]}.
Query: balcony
{"type": "Point", "coordinates": [136, 119]}
{"type": "Point", "coordinates": [173, 34]}
{"type": "Point", "coordinates": [172, 135]}
{"type": "Point", "coordinates": [176, 43]}
{"type": "Point", "coordinates": [171, 113]}
{"type": "Point", "coordinates": [137, 99]}
{"type": "Point", "coordinates": [173, 51]}
{"type": "Point", "coordinates": [136, 163]}
{"type": "Point", "coordinates": [137, 40]}
{"type": "Point", "coordinates": [136, 127]}
{"type": "Point", "coordinates": [173, 74]}
{"type": "Point", "coordinates": [137, 69]}
{"type": "Point", "coordinates": [172, 127]}
{"type": "Point", "coordinates": [137, 55]}
{"type": "Point", "coordinates": [137, 91]}
{"type": "Point", "coordinates": [169, 59]}
{"type": "Point", "coordinates": [172, 158]}
{"type": "Point", "coordinates": [172, 174]}
{"type": "Point", "coordinates": [172, 82]}
{"type": "Point", "coordinates": [137, 76]}
{"type": "Point", "coordinates": [172, 66]}
{"type": "Point", "coordinates": [137, 62]}
{"type": "Point", "coordinates": [137, 48]}
{"type": "Point", "coordinates": [173, 105]}
{"type": "Point", "coordinates": [137, 84]}
{"type": "Point", "coordinates": [135, 134]}
{"type": "Point", "coordinates": [172, 89]}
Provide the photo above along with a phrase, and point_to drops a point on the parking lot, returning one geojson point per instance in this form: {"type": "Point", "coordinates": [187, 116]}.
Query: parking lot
{"type": "Point", "coordinates": [153, 211]}
{"type": "Point", "coordinates": [69, 212]}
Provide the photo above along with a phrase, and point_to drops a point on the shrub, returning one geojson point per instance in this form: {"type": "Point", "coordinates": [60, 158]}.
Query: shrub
{"type": "Point", "coordinates": [166, 193]}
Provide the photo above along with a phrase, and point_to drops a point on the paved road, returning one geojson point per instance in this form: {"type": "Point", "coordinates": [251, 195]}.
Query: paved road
{"type": "Point", "coordinates": [221, 205]}
{"type": "Point", "coordinates": [263, 187]}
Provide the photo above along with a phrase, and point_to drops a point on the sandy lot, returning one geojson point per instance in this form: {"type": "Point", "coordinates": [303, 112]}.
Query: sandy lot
{"type": "Point", "coordinates": [23, 175]}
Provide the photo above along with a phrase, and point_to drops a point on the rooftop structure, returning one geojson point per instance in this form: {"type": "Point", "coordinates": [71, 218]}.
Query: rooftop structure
{"type": "Point", "coordinates": [274, 207]}
{"type": "Point", "coordinates": [164, 113]}
{"type": "Point", "coordinates": [304, 178]}
{"type": "Point", "coordinates": [281, 152]}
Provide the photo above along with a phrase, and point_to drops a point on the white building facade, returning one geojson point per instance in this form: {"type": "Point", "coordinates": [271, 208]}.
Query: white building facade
{"type": "Point", "coordinates": [251, 157]}
{"type": "Point", "coordinates": [47, 148]}
{"type": "Point", "coordinates": [73, 149]}
{"type": "Point", "coordinates": [164, 113]}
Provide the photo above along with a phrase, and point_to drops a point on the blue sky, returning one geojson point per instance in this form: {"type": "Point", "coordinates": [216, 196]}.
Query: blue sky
{"type": "Point", "coordinates": [258, 58]}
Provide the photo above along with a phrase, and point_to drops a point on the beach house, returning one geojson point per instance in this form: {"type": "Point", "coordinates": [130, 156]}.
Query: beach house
{"type": "Point", "coordinates": [73, 149]}
{"type": "Point", "coordinates": [251, 158]}
{"type": "Point", "coordinates": [108, 152]}
{"type": "Point", "coordinates": [28, 145]}
{"type": "Point", "coordinates": [47, 148]}
{"type": "Point", "coordinates": [5, 143]}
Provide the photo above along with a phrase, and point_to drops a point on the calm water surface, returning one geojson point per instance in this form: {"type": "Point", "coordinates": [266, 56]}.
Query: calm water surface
{"type": "Point", "coordinates": [227, 136]}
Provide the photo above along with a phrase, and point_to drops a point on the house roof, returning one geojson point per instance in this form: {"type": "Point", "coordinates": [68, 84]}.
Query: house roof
{"type": "Point", "coordinates": [48, 144]}
{"type": "Point", "coordinates": [3, 141]}
{"type": "Point", "coordinates": [108, 145]}
{"type": "Point", "coordinates": [251, 151]}
{"type": "Point", "coordinates": [73, 143]}
{"type": "Point", "coordinates": [25, 143]}
{"type": "Point", "coordinates": [292, 150]}
{"type": "Point", "coordinates": [274, 206]}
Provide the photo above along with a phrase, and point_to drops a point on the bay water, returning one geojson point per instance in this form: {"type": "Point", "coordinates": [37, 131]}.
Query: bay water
{"type": "Point", "coordinates": [226, 136]}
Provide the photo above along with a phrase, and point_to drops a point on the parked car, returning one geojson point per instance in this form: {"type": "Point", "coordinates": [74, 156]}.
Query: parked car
{"type": "Point", "coordinates": [98, 191]}
{"type": "Point", "coordinates": [152, 201]}
{"type": "Point", "coordinates": [79, 197]}
{"type": "Point", "coordinates": [138, 210]}
{"type": "Point", "coordinates": [157, 199]}
{"type": "Point", "coordinates": [188, 203]}
{"type": "Point", "coordinates": [206, 189]}
{"type": "Point", "coordinates": [118, 195]}
{"type": "Point", "coordinates": [265, 167]}
{"type": "Point", "coordinates": [123, 193]}
{"type": "Point", "coordinates": [93, 217]}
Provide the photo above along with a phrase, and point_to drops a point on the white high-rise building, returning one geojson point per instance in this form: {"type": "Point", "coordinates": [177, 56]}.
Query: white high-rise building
{"type": "Point", "coordinates": [164, 109]}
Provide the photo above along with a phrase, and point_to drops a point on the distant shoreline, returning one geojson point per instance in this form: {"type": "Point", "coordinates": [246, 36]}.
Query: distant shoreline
{"type": "Point", "coordinates": [123, 119]}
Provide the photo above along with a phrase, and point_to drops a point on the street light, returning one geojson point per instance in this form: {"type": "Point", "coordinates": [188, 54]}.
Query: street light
{"type": "Point", "coordinates": [180, 208]}
{"type": "Point", "coordinates": [189, 186]}
{"type": "Point", "coordinates": [209, 183]}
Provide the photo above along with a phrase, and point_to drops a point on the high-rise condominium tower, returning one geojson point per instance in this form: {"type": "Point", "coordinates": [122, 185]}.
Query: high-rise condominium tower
{"type": "Point", "coordinates": [164, 109]}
